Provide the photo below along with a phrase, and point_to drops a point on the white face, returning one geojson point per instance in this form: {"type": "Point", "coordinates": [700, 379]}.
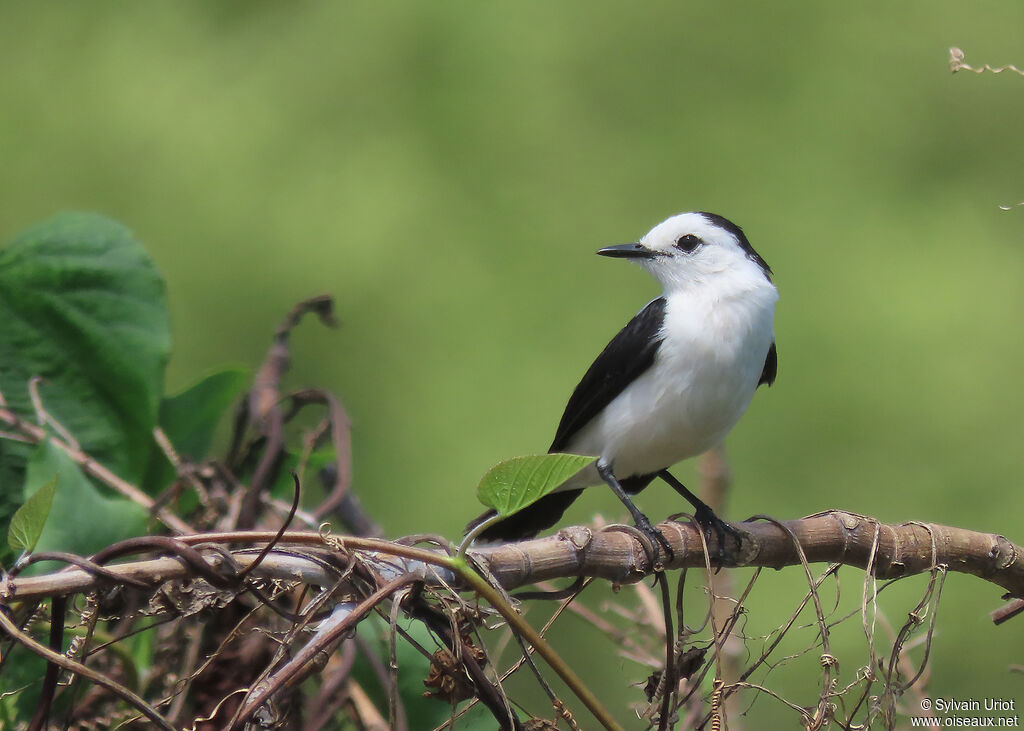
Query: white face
{"type": "Point", "coordinates": [693, 249]}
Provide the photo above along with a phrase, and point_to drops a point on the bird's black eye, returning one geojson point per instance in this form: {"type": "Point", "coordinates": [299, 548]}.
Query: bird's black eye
{"type": "Point", "coordinates": [688, 243]}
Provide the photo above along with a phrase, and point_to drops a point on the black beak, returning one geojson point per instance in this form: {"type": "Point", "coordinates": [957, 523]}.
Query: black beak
{"type": "Point", "coordinates": [627, 251]}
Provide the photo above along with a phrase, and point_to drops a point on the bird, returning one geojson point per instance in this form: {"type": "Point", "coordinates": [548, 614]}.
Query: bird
{"type": "Point", "coordinates": [674, 381]}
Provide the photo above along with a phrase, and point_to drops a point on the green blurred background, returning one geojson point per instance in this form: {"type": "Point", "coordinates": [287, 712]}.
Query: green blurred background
{"type": "Point", "coordinates": [447, 170]}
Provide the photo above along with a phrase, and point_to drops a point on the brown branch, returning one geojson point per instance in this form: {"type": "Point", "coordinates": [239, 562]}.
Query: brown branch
{"type": "Point", "coordinates": [320, 709]}
{"type": "Point", "coordinates": [341, 440]}
{"type": "Point", "coordinates": [42, 716]}
{"type": "Point", "coordinates": [57, 659]}
{"type": "Point", "coordinates": [306, 655]}
{"type": "Point", "coordinates": [834, 537]}
{"type": "Point", "coordinates": [1007, 611]}
{"type": "Point", "coordinates": [264, 403]}
{"type": "Point", "coordinates": [36, 434]}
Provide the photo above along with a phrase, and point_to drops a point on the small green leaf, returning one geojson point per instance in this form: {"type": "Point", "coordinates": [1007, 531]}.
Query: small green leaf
{"type": "Point", "coordinates": [81, 520]}
{"type": "Point", "coordinates": [28, 521]}
{"type": "Point", "coordinates": [510, 486]}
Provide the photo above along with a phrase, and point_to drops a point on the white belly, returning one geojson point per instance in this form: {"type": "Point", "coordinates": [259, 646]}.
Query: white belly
{"type": "Point", "coordinates": [702, 380]}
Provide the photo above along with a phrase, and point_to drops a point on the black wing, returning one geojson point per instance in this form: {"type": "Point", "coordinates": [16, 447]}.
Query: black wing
{"type": "Point", "coordinates": [771, 366]}
{"type": "Point", "coordinates": [629, 354]}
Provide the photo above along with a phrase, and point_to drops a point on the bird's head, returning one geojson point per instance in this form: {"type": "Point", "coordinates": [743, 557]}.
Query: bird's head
{"type": "Point", "coordinates": [696, 248]}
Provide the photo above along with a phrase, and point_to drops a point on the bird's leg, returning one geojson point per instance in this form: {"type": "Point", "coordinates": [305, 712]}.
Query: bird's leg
{"type": "Point", "coordinates": [704, 515]}
{"type": "Point", "coordinates": [639, 519]}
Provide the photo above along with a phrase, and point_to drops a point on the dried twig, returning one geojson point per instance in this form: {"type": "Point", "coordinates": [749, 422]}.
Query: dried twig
{"type": "Point", "coordinates": [36, 435]}
{"type": "Point", "coordinates": [957, 63]}
{"type": "Point", "coordinates": [264, 403]}
{"type": "Point", "coordinates": [57, 659]}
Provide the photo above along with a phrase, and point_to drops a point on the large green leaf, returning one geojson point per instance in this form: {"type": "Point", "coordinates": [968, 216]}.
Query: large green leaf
{"type": "Point", "coordinates": [81, 520]}
{"type": "Point", "coordinates": [510, 486]}
{"type": "Point", "coordinates": [83, 307]}
{"type": "Point", "coordinates": [189, 420]}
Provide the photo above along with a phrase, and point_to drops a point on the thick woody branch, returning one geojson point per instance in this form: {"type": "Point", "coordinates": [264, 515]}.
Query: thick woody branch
{"type": "Point", "coordinates": [834, 537]}
{"type": "Point", "coordinates": [891, 551]}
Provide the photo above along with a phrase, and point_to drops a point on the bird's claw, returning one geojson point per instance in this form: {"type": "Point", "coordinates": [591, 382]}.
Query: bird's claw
{"type": "Point", "coordinates": [656, 540]}
{"type": "Point", "coordinates": [707, 519]}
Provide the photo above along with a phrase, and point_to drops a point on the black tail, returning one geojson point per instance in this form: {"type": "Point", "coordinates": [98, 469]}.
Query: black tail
{"type": "Point", "coordinates": [529, 521]}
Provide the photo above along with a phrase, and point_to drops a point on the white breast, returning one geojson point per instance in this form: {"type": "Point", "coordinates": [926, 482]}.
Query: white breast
{"type": "Point", "coordinates": [702, 380]}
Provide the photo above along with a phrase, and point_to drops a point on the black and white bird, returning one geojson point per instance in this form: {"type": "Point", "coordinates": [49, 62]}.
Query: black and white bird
{"type": "Point", "coordinates": [676, 378]}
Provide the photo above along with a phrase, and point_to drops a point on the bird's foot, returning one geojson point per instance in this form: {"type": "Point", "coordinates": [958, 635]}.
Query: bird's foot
{"type": "Point", "coordinates": [642, 523]}
{"type": "Point", "coordinates": [656, 539]}
{"type": "Point", "coordinates": [711, 523]}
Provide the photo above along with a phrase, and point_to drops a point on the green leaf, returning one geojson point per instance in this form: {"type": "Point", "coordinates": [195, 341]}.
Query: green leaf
{"type": "Point", "coordinates": [510, 486]}
{"type": "Point", "coordinates": [84, 307]}
{"type": "Point", "coordinates": [81, 520]}
{"type": "Point", "coordinates": [28, 521]}
{"type": "Point", "coordinates": [189, 420]}
{"type": "Point", "coordinates": [22, 683]}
